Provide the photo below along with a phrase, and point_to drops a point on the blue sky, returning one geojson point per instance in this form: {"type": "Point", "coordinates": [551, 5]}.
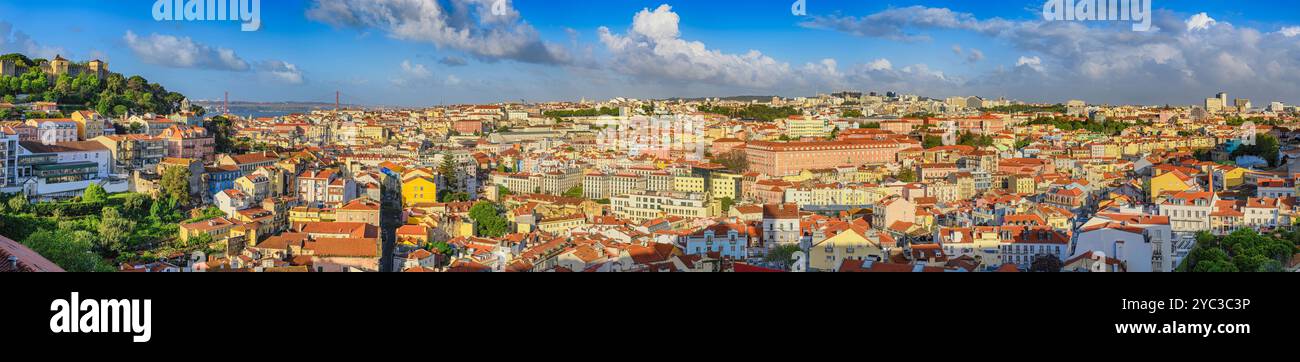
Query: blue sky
{"type": "Point", "coordinates": [565, 50]}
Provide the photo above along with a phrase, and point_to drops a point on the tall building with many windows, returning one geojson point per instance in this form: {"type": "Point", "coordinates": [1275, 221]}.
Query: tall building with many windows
{"type": "Point", "coordinates": [785, 159]}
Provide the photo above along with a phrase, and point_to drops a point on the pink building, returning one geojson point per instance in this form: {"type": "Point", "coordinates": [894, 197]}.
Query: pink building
{"type": "Point", "coordinates": [785, 159]}
{"type": "Point", "coordinates": [469, 127]}
{"type": "Point", "coordinates": [189, 142]}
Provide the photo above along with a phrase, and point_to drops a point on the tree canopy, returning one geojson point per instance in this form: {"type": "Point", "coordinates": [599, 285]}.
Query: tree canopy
{"type": "Point", "coordinates": [1242, 251]}
{"type": "Point", "coordinates": [111, 96]}
{"type": "Point", "coordinates": [735, 161]}
{"type": "Point", "coordinates": [1266, 147]}
{"type": "Point", "coordinates": [488, 221]}
{"type": "Point", "coordinates": [757, 111]}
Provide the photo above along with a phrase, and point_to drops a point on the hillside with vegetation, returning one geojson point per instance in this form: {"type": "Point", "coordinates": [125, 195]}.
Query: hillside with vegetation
{"type": "Point", "coordinates": [113, 96]}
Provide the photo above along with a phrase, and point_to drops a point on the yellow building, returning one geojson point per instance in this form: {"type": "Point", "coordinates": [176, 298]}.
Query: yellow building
{"type": "Point", "coordinates": [559, 225]}
{"type": "Point", "coordinates": [1174, 181]}
{"type": "Point", "coordinates": [726, 184]}
{"type": "Point", "coordinates": [303, 214]}
{"type": "Point", "coordinates": [89, 124]}
{"type": "Point", "coordinates": [851, 244]}
{"type": "Point", "coordinates": [1233, 176]}
{"type": "Point", "coordinates": [1024, 184]}
{"type": "Point", "coordinates": [688, 184]}
{"type": "Point", "coordinates": [419, 190]}
{"type": "Point", "coordinates": [800, 127]}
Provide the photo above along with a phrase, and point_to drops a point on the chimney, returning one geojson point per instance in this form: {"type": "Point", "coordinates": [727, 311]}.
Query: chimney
{"type": "Point", "coordinates": [13, 262]}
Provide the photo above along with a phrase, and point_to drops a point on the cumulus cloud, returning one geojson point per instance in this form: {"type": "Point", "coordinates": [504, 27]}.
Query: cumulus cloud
{"type": "Point", "coordinates": [280, 71]}
{"type": "Point", "coordinates": [1034, 63]}
{"type": "Point", "coordinates": [412, 73]}
{"type": "Point", "coordinates": [14, 41]}
{"type": "Point", "coordinates": [653, 49]}
{"type": "Point", "coordinates": [182, 52]}
{"type": "Point", "coordinates": [453, 61]}
{"type": "Point", "coordinates": [415, 70]}
{"type": "Point", "coordinates": [899, 23]}
{"type": "Point", "coordinates": [974, 56]}
{"type": "Point", "coordinates": [1200, 21]}
{"type": "Point", "coordinates": [1181, 59]}
{"type": "Point", "coordinates": [880, 64]}
{"type": "Point", "coordinates": [470, 26]}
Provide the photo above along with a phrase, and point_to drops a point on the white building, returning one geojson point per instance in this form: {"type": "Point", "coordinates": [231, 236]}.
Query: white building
{"type": "Point", "coordinates": [646, 206]}
{"type": "Point", "coordinates": [1189, 212]}
{"type": "Point", "coordinates": [1144, 243]}
{"type": "Point", "coordinates": [63, 170]}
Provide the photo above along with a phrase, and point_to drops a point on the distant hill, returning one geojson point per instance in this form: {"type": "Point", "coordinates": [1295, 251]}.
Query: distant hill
{"type": "Point", "coordinates": [267, 109]}
{"type": "Point", "coordinates": [763, 99]}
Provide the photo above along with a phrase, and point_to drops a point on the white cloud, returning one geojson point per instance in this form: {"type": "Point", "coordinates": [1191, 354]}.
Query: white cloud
{"type": "Point", "coordinates": [895, 23]}
{"type": "Point", "coordinates": [653, 50]}
{"type": "Point", "coordinates": [182, 52]}
{"type": "Point", "coordinates": [13, 41]}
{"type": "Point", "coordinates": [280, 71]}
{"type": "Point", "coordinates": [453, 61]}
{"type": "Point", "coordinates": [412, 74]}
{"type": "Point", "coordinates": [466, 25]}
{"type": "Point", "coordinates": [1034, 63]}
{"type": "Point", "coordinates": [880, 64]}
{"type": "Point", "coordinates": [415, 70]}
{"type": "Point", "coordinates": [1177, 62]}
{"type": "Point", "coordinates": [1200, 21]}
{"type": "Point", "coordinates": [452, 80]}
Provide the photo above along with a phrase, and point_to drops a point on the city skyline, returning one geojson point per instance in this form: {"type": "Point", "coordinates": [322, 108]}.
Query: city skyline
{"type": "Point", "coordinates": [306, 50]}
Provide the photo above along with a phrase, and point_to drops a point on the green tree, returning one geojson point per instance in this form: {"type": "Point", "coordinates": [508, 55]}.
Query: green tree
{"type": "Point", "coordinates": [782, 254]}
{"type": "Point", "coordinates": [974, 140]}
{"type": "Point", "coordinates": [440, 248]}
{"type": "Point", "coordinates": [1266, 147]}
{"type": "Point", "coordinates": [113, 231]}
{"type": "Point", "coordinates": [175, 185]}
{"type": "Point", "coordinates": [68, 251]}
{"type": "Point", "coordinates": [727, 203]}
{"type": "Point", "coordinates": [18, 203]}
{"type": "Point", "coordinates": [575, 192]}
{"type": "Point", "coordinates": [222, 129]}
{"type": "Point", "coordinates": [95, 193]}
{"type": "Point", "coordinates": [448, 196]}
{"type": "Point", "coordinates": [135, 204]}
{"type": "Point", "coordinates": [906, 175]}
{"type": "Point", "coordinates": [929, 142]}
{"type": "Point", "coordinates": [852, 113]}
{"type": "Point", "coordinates": [758, 112]}
{"type": "Point", "coordinates": [450, 173]}
{"type": "Point", "coordinates": [735, 161]}
{"type": "Point", "coordinates": [502, 191]}
{"type": "Point", "coordinates": [488, 221]}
